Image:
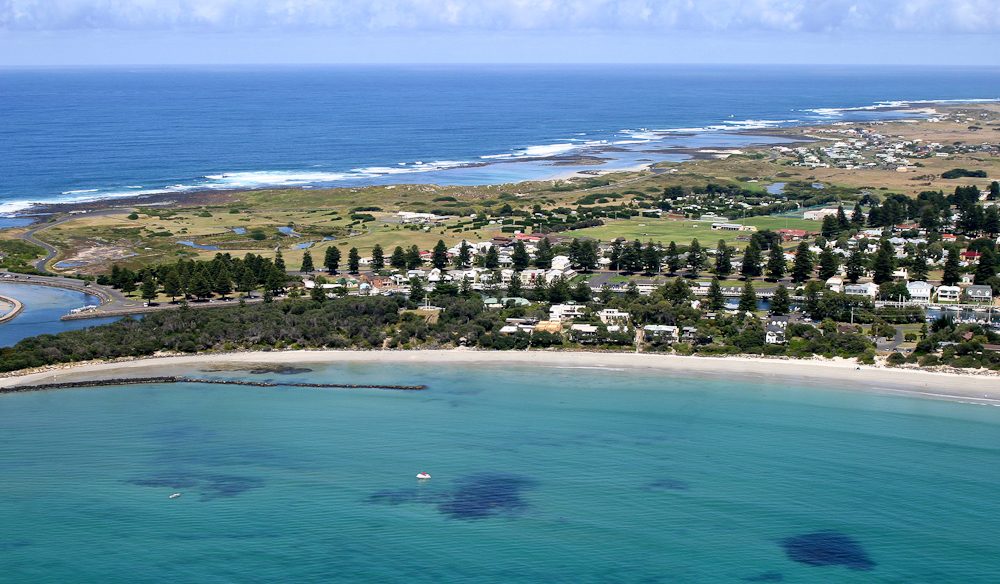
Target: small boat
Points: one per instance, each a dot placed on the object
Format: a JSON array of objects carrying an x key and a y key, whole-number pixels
[
  {"x": 423, "y": 475},
  {"x": 174, "y": 496}
]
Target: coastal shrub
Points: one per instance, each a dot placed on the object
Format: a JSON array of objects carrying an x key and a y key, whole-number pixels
[
  {"x": 896, "y": 359},
  {"x": 962, "y": 173},
  {"x": 133, "y": 216}
]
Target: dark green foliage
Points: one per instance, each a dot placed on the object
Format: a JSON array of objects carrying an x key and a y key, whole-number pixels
[{"x": 963, "y": 172}]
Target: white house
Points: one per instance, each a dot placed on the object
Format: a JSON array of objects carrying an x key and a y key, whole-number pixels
[
  {"x": 563, "y": 312},
  {"x": 819, "y": 214},
  {"x": 561, "y": 262},
  {"x": 835, "y": 284},
  {"x": 870, "y": 289},
  {"x": 948, "y": 293},
  {"x": 920, "y": 291},
  {"x": 613, "y": 316},
  {"x": 661, "y": 332}
]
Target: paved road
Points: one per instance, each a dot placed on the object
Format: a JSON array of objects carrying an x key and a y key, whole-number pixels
[{"x": 50, "y": 250}]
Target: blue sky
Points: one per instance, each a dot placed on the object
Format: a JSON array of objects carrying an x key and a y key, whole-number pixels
[{"x": 99, "y": 32}]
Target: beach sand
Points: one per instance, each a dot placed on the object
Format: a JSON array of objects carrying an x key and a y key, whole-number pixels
[{"x": 838, "y": 374}]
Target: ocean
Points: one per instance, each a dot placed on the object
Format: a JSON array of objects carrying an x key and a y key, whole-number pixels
[
  {"x": 82, "y": 134},
  {"x": 540, "y": 474}
]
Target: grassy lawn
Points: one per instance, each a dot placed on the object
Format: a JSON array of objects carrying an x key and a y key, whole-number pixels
[{"x": 683, "y": 231}]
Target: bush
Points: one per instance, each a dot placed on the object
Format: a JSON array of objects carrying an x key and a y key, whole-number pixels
[
  {"x": 896, "y": 359},
  {"x": 963, "y": 172}
]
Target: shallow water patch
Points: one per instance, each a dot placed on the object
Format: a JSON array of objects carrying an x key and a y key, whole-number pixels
[
  {"x": 667, "y": 484},
  {"x": 208, "y": 486}
]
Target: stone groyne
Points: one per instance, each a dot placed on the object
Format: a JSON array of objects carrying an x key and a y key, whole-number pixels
[
  {"x": 14, "y": 311},
  {"x": 210, "y": 381}
]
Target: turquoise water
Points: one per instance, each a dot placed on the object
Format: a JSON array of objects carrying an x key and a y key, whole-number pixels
[
  {"x": 43, "y": 308},
  {"x": 539, "y": 474}
]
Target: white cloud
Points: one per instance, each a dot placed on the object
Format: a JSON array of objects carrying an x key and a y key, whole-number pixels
[{"x": 645, "y": 16}]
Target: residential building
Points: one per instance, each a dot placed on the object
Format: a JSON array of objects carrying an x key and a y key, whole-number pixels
[
  {"x": 949, "y": 293},
  {"x": 920, "y": 291},
  {"x": 979, "y": 294},
  {"x": 869, "y": 289}
]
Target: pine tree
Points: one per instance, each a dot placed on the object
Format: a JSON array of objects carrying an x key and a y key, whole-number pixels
[
  {"x": 723, "y": 260},
  {"x": 828, "y": 264},
  {"x": 519, "y": 257},
  {"x": 514, "y": 287},
  {"x": 843, "y": 223},
  {"x": 307, "y": 262},
  {"x": 149, "y": 287},
  {"x": 439, "y": 255},
  {"x": 543, "y": 254},
  {"x": 748, "y": 298},
  {"x": 673, "y": 258},
  {"x": 279, "y": 260},
  {"x": 855, "y": 267},
  {"x": 830, "y": 227},
  {"x": 776, "y": 262},
  {"x": 398, "y": 258},
  {"x": 884, "y": 263},
  {"x": 651, "y": 258},
  {"x": 201, "y": 287},
  {"x": 780, "y": 302},
  {"x": 413, "y": 259},
  {"x": 857, "y": 216},
  {"x": 696, "y": 257},
  {"x": 172, "y": 285},
  {"x": 417, "y": 292},
  {"x": 464, "y": 256},
  {"x": 987, "y": 267},
  {"x": 677, "y": 291},
  {"x": 492, "y": 259},
  {"x": 716, "y": 300},
  {"x": 332, "y": 259},
  {"x": 802, "y": 267},
  {"x": 246, "y": 283},
  {"x": 353, "y": 261},
  {"x": 581, "y": 292},
  {"x": 378, "y": 258},
  {"x": 751, "y": 260},
  {"x": 586, "y": 255},
  {"x": 318, "y": 293},
  {"x": 222, "y": 283},
  {"x": 991, "y": 221},
  {"x": 918, "y": 266}
]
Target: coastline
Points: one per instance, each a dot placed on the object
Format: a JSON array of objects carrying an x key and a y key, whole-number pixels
[{"x": 837, "y": 374}]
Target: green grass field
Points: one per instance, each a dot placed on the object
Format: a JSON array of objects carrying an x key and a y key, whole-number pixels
[{"x": 683, "y": 231}]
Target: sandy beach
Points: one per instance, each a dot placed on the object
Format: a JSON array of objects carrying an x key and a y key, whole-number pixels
[{"x": 836, "y": 374}]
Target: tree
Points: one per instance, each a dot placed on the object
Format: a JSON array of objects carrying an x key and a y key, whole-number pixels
[
  {"x": 353, "y": 261},
  {"x": 843, "y": 223},
  {"x": 748, "y": 298},
  {"x": 994, "y": 191},
  {"x": 544, "y": 254},
  {"x": 855, "y": 267},
  {"x": 828, "y": 264},
  {"x": 780, "y": 302},
  {"x": 884, "y": 263},
  {"x": 307, "y": 262},
  {"x": 172, "y": 285},
  {"x": 991, "y": 221},
  {"x": 464, "y": 256},
  {"x": 929, "y": 218},
  {"x": 514, "y": 288},
  {"x": 751, "y": 260},
  {"x": 987, "y": 267},
  {"x": 148, "y": 291},
  {"x": 439, "y": 255},
  {"x": 952, "y": 269},
  {"x": 246, "y": 283},
  {"x": 695, "y": 257},
  {"x": 586, "y": 255},
  {"x": 222, "y": 282},
  {"x": 279, "y": 260},
  {"x": 332, "y": 259},
  {"x": 776, "y": 263},
  {"x": 201, "y": 287},
  {"x": 615, "y": 255},
  {"x": 581, "y": 292},
  {"x": 673, "y": 258},
  {"x": 677, "y": 291},
  {"x": 632, "y": 257},
  {"x": 318, "y": 293},
  {"x": 378, "y": 258},
  {"x": 398, "y": 258},
  {"x": 520, "y": 258},
  {"x": 651, "y": 258},
  {"x": 127, "y": 285},
  {"x": 857, "y": 216},
  {"x": 723, "y": 259},
  {"x": 417, "y": 292},
  {"x": 918, "y": 266},
  {"x": 830, "y": 227},
  {"x": 492, "y": 259},
  {"x": 716, "y": 300},
  {"x": 413, "y": 259},
  {"x": 802, "y": 267}
]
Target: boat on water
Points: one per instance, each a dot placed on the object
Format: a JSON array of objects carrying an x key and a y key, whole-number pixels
[
  {"x": 174, "y": 496},
  {"x": 423, "y": 475}
]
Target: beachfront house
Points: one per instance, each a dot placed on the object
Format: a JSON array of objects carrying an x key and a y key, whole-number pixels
[
  {"x": 661, "y": 333},
  {"x": 613, "y": 316},
  {"x": 949, "y": 293},
  {"x": 920, "y": 291},
  {"x": 564, "y": 312},
  {"x": 774, "y": 335},
  {"x": 979, "y": 294}
]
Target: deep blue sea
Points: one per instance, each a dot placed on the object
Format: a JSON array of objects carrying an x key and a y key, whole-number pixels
[
  {"x": 96, "y": 133},
  {"x": 539, "y": 475}
]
